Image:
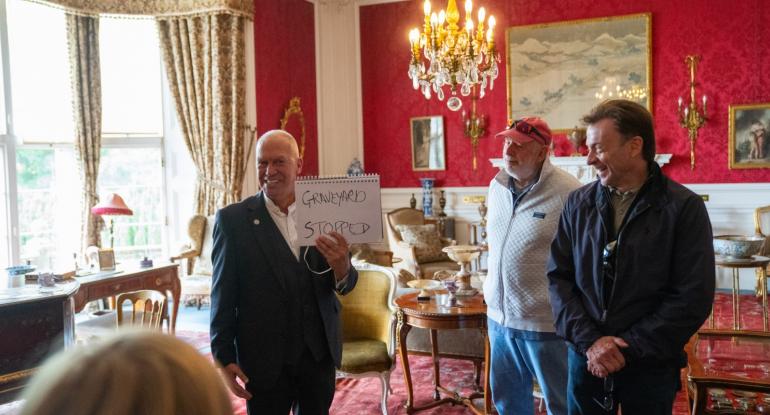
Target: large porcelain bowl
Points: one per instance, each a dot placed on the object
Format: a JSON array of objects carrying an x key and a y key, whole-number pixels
[
  {"x": 462, "y": 253},
  {"x": 737, "y": 246}
]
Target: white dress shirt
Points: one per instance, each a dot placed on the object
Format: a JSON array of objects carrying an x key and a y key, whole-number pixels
[{"x": 287, "y": 225}]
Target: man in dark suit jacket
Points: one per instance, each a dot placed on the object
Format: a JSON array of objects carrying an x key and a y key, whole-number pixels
[{"x": 274, "y": 312}]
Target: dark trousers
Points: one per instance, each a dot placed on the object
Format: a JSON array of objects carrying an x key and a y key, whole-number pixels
[
  {"x": 307, "y": 389},
  {"x": 639, "y": 390}
]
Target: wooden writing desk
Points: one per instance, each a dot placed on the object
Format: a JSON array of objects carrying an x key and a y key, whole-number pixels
[{"x": 161, "y": 278}]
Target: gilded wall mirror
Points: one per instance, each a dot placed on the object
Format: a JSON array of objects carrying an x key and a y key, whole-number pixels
[{"x": 293, "y": 121}]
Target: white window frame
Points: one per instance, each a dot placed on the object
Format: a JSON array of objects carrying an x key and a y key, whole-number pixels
[
  {"x": 178, "y": 178},
  {"x": 10, "y": 144}
]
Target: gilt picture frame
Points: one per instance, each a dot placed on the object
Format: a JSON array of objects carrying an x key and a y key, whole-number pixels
[
  {"x": 559, "y": 71},
  {"x": 748, "y": 142},
  {"x": 428, "y": 149}
]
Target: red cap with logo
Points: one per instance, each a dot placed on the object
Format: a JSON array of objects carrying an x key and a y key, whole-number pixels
[{"x": 528, "y": 129}]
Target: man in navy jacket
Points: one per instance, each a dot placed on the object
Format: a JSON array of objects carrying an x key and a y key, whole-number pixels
[
  {"x": 274, "y": 311},
  {"x": 631, "y": 272}
]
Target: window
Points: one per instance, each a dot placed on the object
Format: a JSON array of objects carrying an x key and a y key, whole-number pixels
[
  {"x": 131, "y": 90},
  {"x": 3, "y": 117},
  {"x": 48, "y": 180},
  {"x": 5, "y": 249},
  {"x": 49, "y": 205},
  {"x": 38, "y": 61},
  {"x": 133, "y": 174}
]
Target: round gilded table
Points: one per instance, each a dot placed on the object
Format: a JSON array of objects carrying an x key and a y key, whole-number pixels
[
  {"x": 470, "y": 312},
  {"x": 758, "y": 262}
]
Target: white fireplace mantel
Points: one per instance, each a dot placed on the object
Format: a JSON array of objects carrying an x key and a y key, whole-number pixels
[{"x": 578, "y": 167}]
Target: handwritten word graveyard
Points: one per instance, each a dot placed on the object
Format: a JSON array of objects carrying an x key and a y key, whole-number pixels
[{"x": 349, "y": 206}]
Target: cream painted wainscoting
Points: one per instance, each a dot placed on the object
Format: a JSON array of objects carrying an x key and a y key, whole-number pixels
[{"x": 730, "y": 206}]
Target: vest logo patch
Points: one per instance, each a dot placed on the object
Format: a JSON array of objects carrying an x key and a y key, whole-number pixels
[{"x": 539, "y": 215}]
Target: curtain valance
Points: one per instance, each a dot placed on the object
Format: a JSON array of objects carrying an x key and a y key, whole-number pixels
[{"x": 156, "y": 8}]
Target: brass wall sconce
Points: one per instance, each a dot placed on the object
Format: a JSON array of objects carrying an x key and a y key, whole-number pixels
[
  {"x": 690, "y": 117},
  {"x": 475, "y": 125}
]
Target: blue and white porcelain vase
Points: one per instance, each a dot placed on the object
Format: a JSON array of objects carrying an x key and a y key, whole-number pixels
[{"x": 427, "y": 196}]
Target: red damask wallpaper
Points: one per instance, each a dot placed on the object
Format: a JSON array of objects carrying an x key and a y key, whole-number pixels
[
  {"x": 730, "y": 36},
  {"x": 285, "y": 67}
]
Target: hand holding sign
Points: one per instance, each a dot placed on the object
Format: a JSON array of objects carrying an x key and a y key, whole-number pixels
[
  {"x": 349, "y": 206},
  {"x": 334, "y": 248}
]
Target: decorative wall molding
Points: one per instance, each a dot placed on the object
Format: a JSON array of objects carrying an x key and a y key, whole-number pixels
[
  {"x": 338, "y": 83},
  {"x": 578, "y": 167},
  {"x": 338, "y": 5}
]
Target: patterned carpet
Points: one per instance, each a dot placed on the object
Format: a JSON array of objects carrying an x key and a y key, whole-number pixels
[{"x": 361, "y": 396}]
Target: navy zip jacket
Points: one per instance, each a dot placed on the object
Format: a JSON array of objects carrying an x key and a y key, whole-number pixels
[{"x": 664, "y": 270}]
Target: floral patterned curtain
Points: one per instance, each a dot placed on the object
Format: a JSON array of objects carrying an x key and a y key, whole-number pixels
[
  {"x": 204, "y": 57},
  {"x": 83, "y": 46}
]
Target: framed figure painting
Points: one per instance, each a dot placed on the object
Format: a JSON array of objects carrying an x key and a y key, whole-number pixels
[
  {"x": 749, "y": 136},
  {"x": 559, "y": 71},
  {"x": 428, "y": 143}
]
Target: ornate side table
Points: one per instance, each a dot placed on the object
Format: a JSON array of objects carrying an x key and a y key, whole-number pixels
[
  {"x": 759, "y": 262},
  {"x": 471, "y": 313}
]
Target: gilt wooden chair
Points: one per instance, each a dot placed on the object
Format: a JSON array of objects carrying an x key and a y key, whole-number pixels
[
  {"x": 368, "y": 327},
  {"x": 762, "y": 228},
  {"x": 401, "y": 249},
  {"x": 147, "y": 309},
  {"x": 196, "y": 280}
]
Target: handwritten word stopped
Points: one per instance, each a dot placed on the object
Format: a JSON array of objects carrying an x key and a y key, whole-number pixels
[
  {"x": 333, "y": 198},
  {"x": 340, "y": 226}
]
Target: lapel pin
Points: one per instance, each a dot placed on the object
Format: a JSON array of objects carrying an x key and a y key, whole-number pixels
[{"x": 256, "y": 221}]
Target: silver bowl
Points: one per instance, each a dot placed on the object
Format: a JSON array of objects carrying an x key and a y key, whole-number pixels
[{"x": 737, "y": 246}]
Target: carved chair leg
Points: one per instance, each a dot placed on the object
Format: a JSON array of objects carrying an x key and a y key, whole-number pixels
[{"x": 385, "y": 380}]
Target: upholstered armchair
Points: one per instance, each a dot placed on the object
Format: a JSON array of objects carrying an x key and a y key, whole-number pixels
[
  {"x": 196, "y": 281},
  {"x": 417, "y": 243},
  {"x": 368, "y": 327}
]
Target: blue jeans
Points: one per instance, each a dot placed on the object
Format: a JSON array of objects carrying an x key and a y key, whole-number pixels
[
  {"x": 518, "y": 356},
  {"x": 644, "y": 389}
]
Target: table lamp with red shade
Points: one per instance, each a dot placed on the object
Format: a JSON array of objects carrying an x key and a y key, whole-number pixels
[{"x": 112, "y": 205}]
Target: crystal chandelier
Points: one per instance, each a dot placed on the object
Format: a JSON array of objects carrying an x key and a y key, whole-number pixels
[{"x": 456, "y": 57}]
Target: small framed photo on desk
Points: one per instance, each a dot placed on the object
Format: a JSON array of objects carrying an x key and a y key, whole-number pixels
[{"x": 106, "y": 260}]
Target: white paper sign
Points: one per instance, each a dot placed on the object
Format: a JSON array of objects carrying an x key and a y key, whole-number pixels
[{"x": 349, "y": 205}]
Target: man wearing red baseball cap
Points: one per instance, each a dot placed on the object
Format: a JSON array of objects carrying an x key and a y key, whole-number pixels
[{"x": 525, "y": 201}]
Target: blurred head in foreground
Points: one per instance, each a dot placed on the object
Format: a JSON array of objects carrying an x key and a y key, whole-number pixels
[{"x": 134, "y": 372}]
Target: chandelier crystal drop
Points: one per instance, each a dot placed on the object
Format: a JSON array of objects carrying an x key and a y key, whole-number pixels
[{"x": 459, "y": 58}]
